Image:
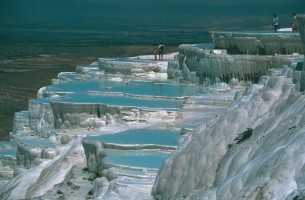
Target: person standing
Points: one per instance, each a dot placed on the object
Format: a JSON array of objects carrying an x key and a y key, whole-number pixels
[
  {"x": 275, "y": 22},
  {"x": 155, "y": 52},
  {"x": 294, "y": 25},
  {"x": 161, "y": 51}
]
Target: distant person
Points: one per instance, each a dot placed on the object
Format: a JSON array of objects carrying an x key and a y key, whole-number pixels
[
  {"x": 155, "y": 52},
  {"x": 161, "y": 51},
  {"x": 275, "y": 23},
  {"x": 294, "y": 25}
]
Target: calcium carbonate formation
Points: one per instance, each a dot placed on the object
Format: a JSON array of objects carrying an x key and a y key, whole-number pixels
[{"x": 183, "y": 128}]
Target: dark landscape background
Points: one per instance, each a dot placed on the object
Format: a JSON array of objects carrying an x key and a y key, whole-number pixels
[{"x": 40, "y": 38}]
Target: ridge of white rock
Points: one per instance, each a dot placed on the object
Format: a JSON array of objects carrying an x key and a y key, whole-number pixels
[
  {"x": 254, "y": 151},
  {"x": 37, "y": 180},
  {"x": 208, "y": 66},
  {"x": 261, "y": 43}
]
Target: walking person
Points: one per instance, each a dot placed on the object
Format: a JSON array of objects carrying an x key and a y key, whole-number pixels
[
  {"x": 294, "y": 25},
  {"x": 275, "y": 23}
]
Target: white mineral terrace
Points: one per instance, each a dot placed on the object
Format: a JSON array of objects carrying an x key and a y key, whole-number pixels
[
  {"x": 154, "y": 113},
  {"x": 202, "y": 124}
]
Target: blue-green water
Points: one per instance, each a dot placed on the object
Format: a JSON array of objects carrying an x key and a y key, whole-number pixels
[
  {"x": 7, "y": 149},
  {"x": 148, "y": 88},
  {"x": 4, "y": 143},
  {"x": 115, "y": 100},
  {"x": 149, "y": 159},
  {"x": 8, "y": 152},
  {"x": 141, "y": 136},
  {"x": 131, "y": 93}
]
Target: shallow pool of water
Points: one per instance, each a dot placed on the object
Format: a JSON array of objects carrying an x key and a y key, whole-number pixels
[
  {"x": 8, "y": 152},
  {"x": 115, "y": 100},
  {"x": 141, "y": 136},
  {"x": 7, "y": 149},
  {"x": 146, "y": 159},
  {"x": 146, "y": 88}
]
